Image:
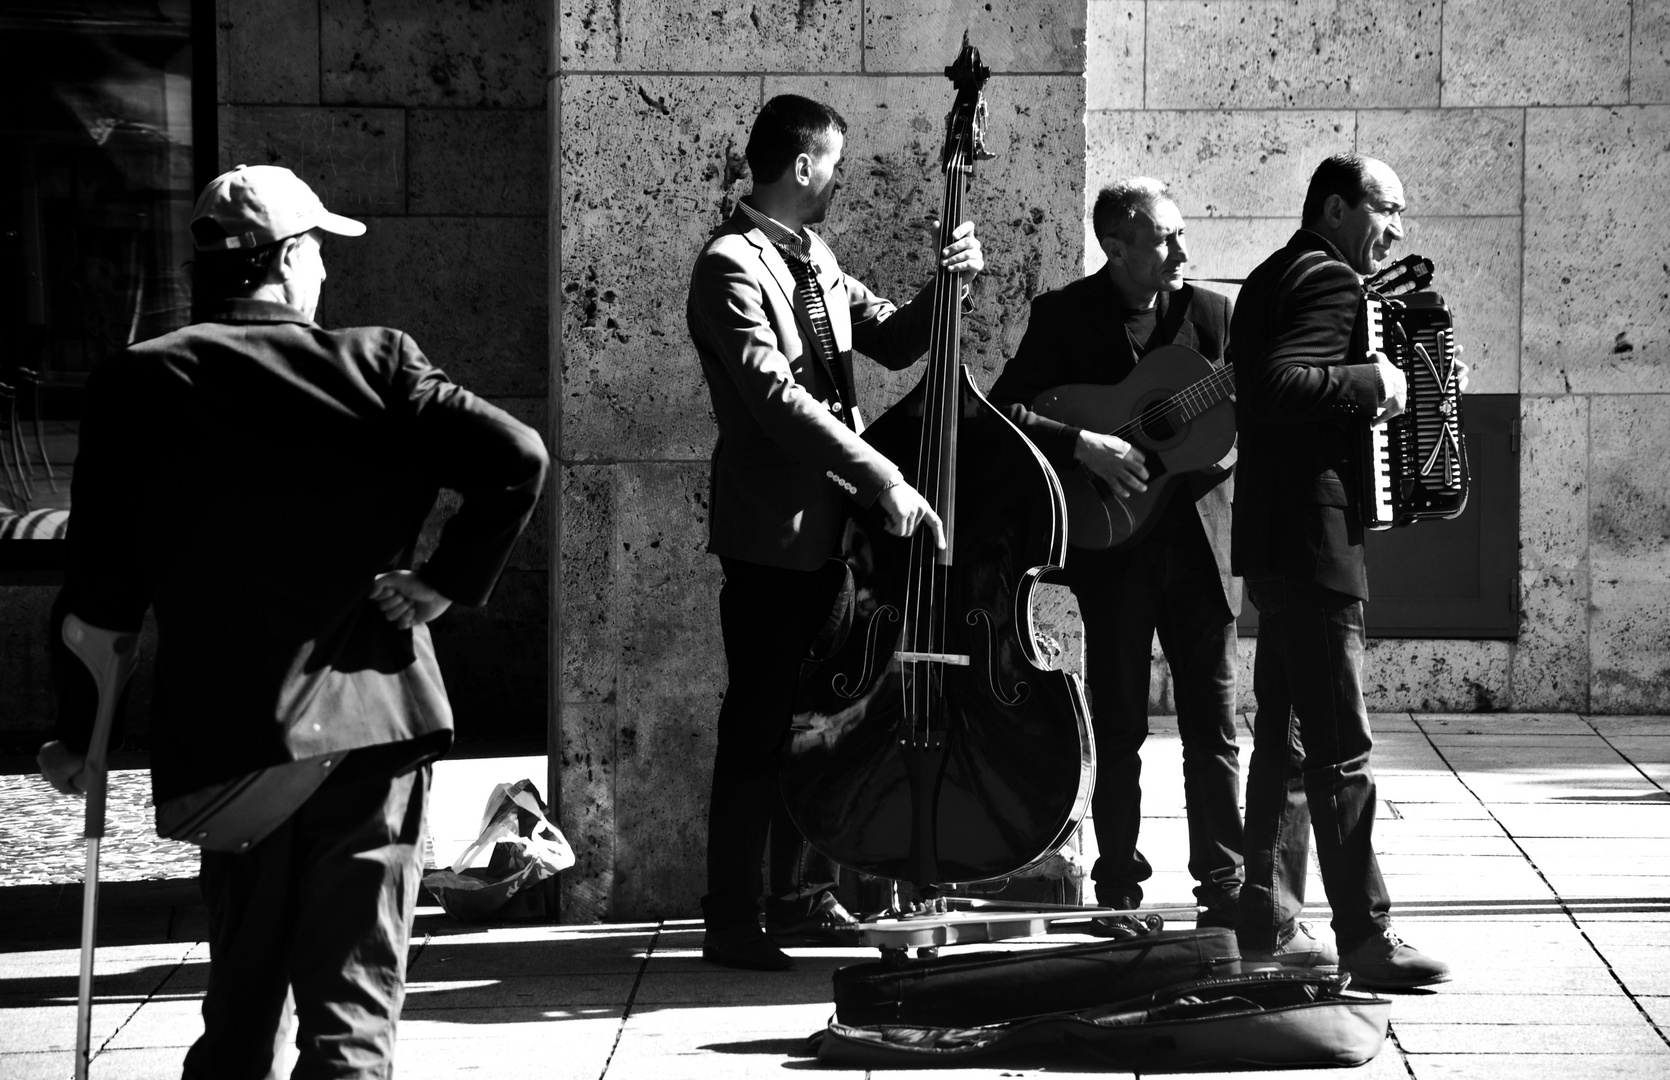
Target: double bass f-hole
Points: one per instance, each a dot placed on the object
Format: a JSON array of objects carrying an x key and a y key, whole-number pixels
[{"x": 872, "y": 668}]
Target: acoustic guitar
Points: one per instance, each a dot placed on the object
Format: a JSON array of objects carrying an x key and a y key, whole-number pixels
[{"x": 1175, "y": 407}]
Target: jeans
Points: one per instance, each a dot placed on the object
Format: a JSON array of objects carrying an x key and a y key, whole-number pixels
[
  {"x": 1310, "y": 768},
  {"x": 770, "y": 618},
  {"x": 1168, "y": 584},
  {"x": 322, "y": 908}
]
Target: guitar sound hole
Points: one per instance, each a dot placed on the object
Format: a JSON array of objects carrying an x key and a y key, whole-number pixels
[{"x": 1159, "y": 429}]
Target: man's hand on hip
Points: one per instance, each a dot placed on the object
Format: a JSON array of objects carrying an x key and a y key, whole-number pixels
[
  {"x": 406, "y": 601},
  {"x": 63, "y": 768}
]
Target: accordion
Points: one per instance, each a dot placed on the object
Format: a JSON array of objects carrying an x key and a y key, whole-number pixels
[{"x": 1414, "y": 467}]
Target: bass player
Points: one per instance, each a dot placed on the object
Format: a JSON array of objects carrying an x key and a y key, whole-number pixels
[{"x": 1175, "y": 577}]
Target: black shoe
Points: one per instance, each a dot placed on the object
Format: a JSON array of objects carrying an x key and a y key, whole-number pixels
[
  {"x": 744, "y": 946},
  {"x": 1222, "y": 911},
  {"x": 1116, "y": 926},
  {"x": 1384, "y": 962},
  {"x": 826, "y": 923}
]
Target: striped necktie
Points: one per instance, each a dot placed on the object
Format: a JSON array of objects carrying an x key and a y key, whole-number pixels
[{"x": 811, "y": 295}]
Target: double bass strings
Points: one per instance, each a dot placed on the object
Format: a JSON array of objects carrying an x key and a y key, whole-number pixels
[{"x": 926, "y": 607}]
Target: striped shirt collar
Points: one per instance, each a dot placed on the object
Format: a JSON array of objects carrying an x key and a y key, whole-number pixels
[{"x": 798, "y": 244}]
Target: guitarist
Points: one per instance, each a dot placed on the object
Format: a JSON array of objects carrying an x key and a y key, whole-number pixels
[{"x": 1175, "y": 579}]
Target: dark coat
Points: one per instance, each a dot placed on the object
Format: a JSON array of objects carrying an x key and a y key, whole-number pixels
[
  {"x": 785, "y": 462},
  {"x": 1076, "y": 334},
  {"x": 248, "y": 477},
  {"x": 1301, "y": 407}
]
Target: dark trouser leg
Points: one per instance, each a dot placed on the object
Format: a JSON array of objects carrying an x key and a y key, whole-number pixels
[
  {"x": 323, "y": 905},
  {"x": 1314, "y": 678},
  {"x": 769, "y": 617},
  {"x": 1197, "y": 633},
  {"x": 1117, "y": 595}
]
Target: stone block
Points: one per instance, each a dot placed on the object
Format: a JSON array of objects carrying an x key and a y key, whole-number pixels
[
  {"x": 729, "y": 35},
  {"x": 1649, "y": 53},
  {"x": 470, "y": 291},
  {"x": 1219, "y": 164},
  {"x": 1550, "y": 667},
  {"x": 1300, "y": 54},
  {"x": 1476, "y": 262},
  {"x": 495, "y": 659},
  {"x": 419, "y": 52},
  {"x": 650, "y": 165},
  {"x": 1422, "y": 674},
  {"x": 1629, "y": 535},
  {"x": 354, "y": 158},
  {"x": 1027, "y": 202},
  {"x": 589, "y": 620},
  {"x": 1113, "y": 62},
  {"x": 479, "y": 162},
  {"x": 672, "y": 679},
  {"x": 267, "y": 51},
  {"x": 1597, "y": 282},
  {"x": 586, "y": 813},
  {"x": 1233, "y": 247},
  {"x": 1553, "y": 482},
  {"x": 1535, "y": 52},
  {"x": 1451, "y": 161},
  {"x": 925, "y": 35},
  {"x": 1629, "y": 522}
]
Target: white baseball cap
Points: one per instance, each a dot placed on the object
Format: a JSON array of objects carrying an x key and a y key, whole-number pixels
[{"x": 261, "y": 204}]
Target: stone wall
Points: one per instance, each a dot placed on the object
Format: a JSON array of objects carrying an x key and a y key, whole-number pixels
[
  {"x": 428, "y": 122},
  {"x": 1532, "y": 137},
  {"x": 656, "y": 104}
]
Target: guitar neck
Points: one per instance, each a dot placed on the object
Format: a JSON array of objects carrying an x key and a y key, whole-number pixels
[{"x": 1196, "y": 399}]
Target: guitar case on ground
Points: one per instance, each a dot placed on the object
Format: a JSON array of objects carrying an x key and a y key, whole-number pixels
[
  {"x": 1266, "y": 1018},
  {"x": 994, "y": 987}
]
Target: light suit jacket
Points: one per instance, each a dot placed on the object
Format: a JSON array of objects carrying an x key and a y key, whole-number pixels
[{"x": 787, "y": 457}]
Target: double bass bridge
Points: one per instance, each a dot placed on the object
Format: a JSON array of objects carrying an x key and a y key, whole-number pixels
[{"x": 956, "y": 659}]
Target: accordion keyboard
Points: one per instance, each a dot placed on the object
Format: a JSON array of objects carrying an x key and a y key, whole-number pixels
[{"x": 1377, "y": 447}]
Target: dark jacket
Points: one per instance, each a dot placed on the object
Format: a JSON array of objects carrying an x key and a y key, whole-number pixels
[
  {"x": 248, "y": 477},
  {"x": 786, "y": 461},
  {"x": 1303, "y": 398},
  {"x": 1076, "y": 334}
]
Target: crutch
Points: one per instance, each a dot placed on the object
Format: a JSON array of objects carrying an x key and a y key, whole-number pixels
[{"x": 110, "y": 656}]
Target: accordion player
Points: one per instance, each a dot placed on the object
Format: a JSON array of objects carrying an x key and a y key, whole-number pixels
[{"x": 1414, "y": 467}]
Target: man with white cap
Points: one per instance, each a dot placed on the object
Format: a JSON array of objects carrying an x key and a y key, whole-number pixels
[{"x": 260, "y": 482}]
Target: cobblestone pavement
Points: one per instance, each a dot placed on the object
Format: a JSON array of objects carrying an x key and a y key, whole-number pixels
[{"x": 41, "y": 834}]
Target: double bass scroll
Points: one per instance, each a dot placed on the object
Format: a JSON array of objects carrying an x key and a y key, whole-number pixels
[{"x": 930, "y": 743}]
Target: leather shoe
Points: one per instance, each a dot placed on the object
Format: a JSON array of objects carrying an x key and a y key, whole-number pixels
[
  {"x": 744, "y": 946},
  {"x": 1384, "y": 962},
  {"x": 826, "y": 923},
  {"x": 1302, "y": 950},
  {"x": 1116, "y": 926}
]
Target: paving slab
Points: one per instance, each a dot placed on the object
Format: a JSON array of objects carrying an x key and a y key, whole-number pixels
[
  {"x": 1515, "y": 1038},
  {"x": 1452, "y": 1006},
  {"x": 1539, "y": 1066}
]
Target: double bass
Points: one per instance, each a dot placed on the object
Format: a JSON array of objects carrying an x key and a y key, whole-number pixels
[{"x": 930, "y": 743}]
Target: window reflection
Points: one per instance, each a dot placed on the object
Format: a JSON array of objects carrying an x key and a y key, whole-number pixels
[{"x": 96, "y": 189}]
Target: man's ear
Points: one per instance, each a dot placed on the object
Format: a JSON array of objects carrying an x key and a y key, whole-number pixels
[
  {"x": 285, "y": 264},
  {"x": 803, "y": 168},
  {"x": 1111, "y": 247},
  {"x": 1334, "y": 208}
]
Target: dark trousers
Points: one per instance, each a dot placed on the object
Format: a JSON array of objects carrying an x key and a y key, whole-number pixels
[
  {"x": 323, "y": 907},
  {"x": 769, "y": 618},
  {"x": 1167, "y": 584},
  {"x": 1310, "y": 767}
]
